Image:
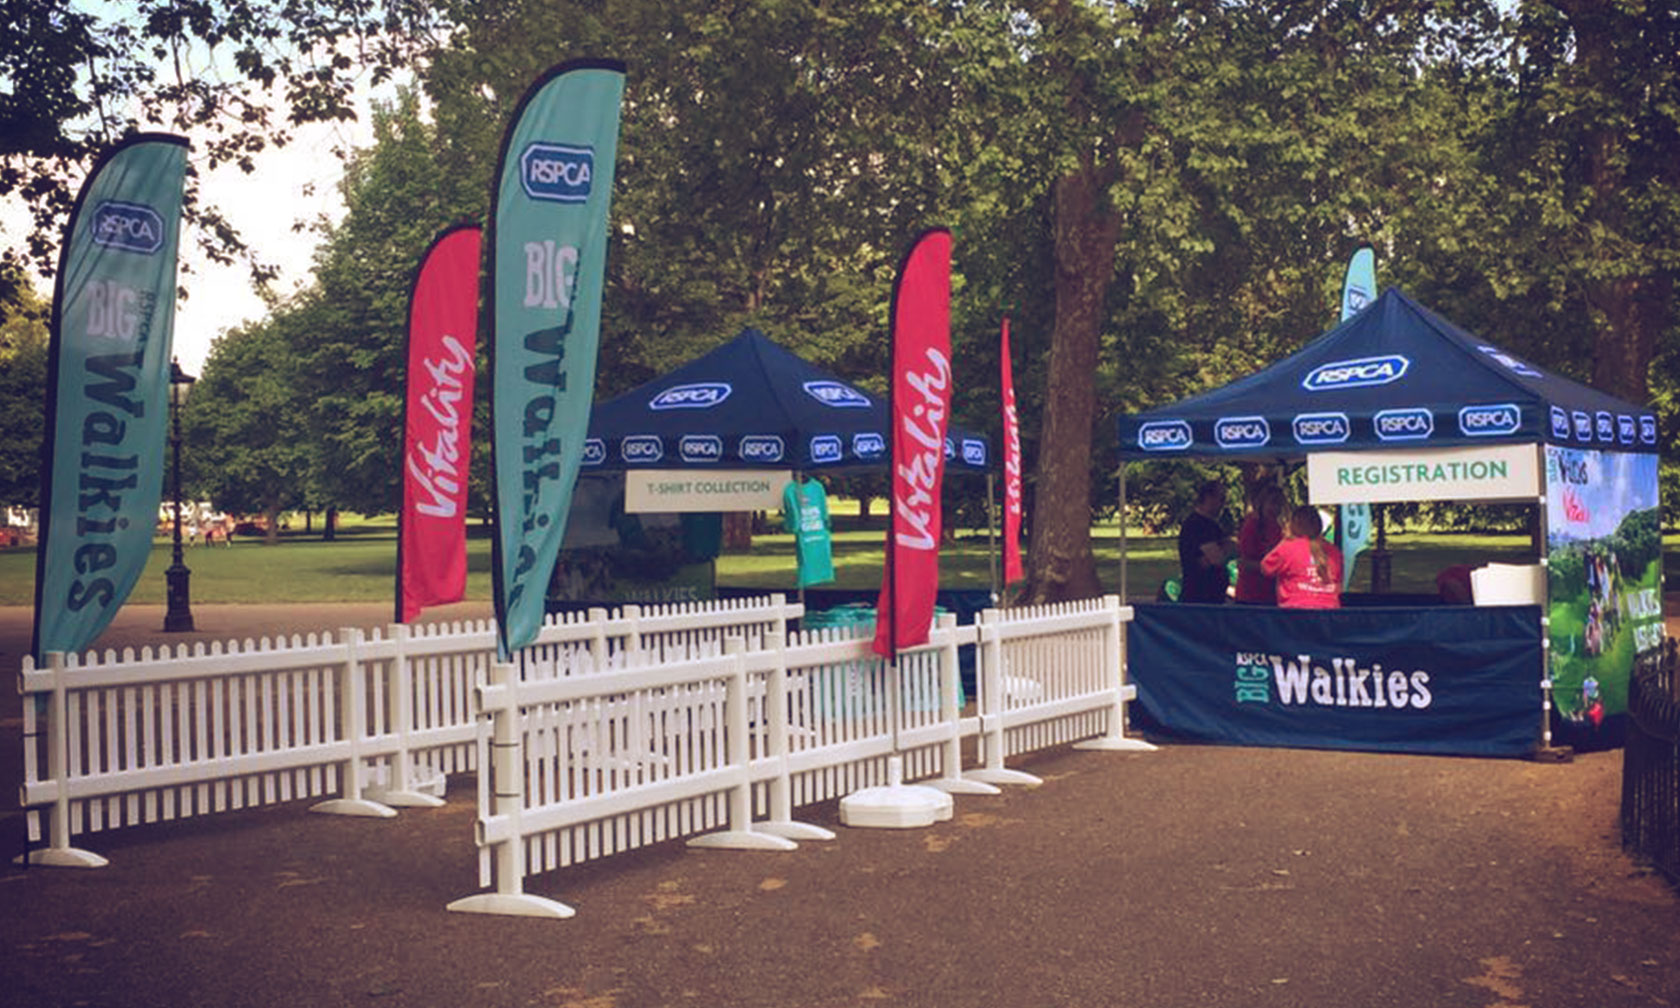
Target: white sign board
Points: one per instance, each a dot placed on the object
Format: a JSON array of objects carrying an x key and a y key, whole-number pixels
[
  {"x": 666, "y": 490},
  {"x": 1498, "y": 472}
]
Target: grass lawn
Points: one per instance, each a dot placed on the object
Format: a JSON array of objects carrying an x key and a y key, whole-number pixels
[{"x": 360, "y": 565}]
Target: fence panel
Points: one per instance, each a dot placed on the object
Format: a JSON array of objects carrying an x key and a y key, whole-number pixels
[
  {"x": 1651, "y": 762},
  {"x": 380, "y": 718}
]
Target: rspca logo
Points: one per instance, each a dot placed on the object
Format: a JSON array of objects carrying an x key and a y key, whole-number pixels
[
  {"x": 697, "y": 395},
  {"x": 700, "y": 448},
  {"x": 1242, "y": 432},
  {"x": 1606, "y": 426},
  {"x": 868, "y": 445},
  {"x": 1321, "y": 428},
  {"x": 1488, "y": 421},
  {"x": 1414, "y": 424},
  {"x": 131, "y": 227},
  {"x": 836, "y": 394},
  {"x": 1165, "y": 435},
  {"x": 641, "y": 448},
  {"x": 1510, "y": 363},
  {"x": 950, "y": 448},
  {"x": 1583, "y": 425},
  {"x": 1356, "y": 373},
  {"x": 761, "y": 448},
  {"x": 1648, "y": 430},
  {"x": 557, "y": 173},
  {"x": 826, "y": 448},
  {"x": 974, "y": 451},
  {"x": 594, "y": 451},
  {"x": 1560, "y": 422},
  {"x": 1624, "y": 429}
]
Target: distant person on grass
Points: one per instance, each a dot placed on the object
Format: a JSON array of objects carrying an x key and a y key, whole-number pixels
[{"x": 1204, "y": 548}]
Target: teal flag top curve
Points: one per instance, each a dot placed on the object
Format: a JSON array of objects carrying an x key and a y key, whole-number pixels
[
  {"x": 549, "y": 241},
  {"x": 107, "y": 389}
]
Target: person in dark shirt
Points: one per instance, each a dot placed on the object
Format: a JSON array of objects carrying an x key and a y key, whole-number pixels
[{"x": 1204, "y": 547}]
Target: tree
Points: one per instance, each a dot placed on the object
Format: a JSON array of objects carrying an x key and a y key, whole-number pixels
[
  {"x": 351, "y": 342},
  {"x": 238, "y": 75},
  {"x": 242, "y": 420},
  {"x": 23, "y": 384}
]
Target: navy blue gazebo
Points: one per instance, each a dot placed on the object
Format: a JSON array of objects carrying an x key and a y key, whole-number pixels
[
  {"x": 753, "y": 404},
  {"x": 1397, "y": 403}
]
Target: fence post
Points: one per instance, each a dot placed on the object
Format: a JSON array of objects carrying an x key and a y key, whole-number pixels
[
  {"x": 499, "y": 827},
  {"x": 59, "y": 853},
  {"x": 740, "y": 835},
  {"x": 352, "y": 715},
  {"x": 1114, "y": 657},
  {"x": 400, "y": 790},
  {"x": 993, "y": 705},
  {"x": 777, "y": 742},
  {"x": 952, "y": 781}
]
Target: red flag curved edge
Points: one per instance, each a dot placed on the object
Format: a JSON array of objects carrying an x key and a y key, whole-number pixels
[
  {"x": 1012, "y": 571},
  {"x": 437, "y": 424},
  {"x": 921, "y": 404}
]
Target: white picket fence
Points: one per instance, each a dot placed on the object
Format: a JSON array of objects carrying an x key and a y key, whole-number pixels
[
  {"x": 728, "y": 744},
  {"x": 615, "y": 730},
  {"x": 375, "y": 718}
]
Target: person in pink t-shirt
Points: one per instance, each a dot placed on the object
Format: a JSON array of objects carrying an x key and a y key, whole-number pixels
[{"x": 1308, "y": 569}]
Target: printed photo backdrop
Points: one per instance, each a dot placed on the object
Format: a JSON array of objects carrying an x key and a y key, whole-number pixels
[{"x": 1604, "y": 537}]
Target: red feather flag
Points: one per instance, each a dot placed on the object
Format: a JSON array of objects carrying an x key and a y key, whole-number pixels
[{"x": 921, "y": 404}]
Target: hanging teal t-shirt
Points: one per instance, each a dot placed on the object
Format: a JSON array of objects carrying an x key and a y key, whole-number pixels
[{"x": 805, "y": 514}]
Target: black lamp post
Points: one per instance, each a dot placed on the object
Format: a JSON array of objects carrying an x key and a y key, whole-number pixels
[{"x": 179, "y": 614}]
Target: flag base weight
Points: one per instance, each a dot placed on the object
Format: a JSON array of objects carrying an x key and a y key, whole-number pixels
[{"x": 895, "y": 805}]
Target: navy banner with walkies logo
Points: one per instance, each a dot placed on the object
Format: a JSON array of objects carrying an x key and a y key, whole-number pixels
[
  {"x": 1449, "y": 680},
  {"x": 107, "y": 389},
  {"x": 549, "y": 254}
]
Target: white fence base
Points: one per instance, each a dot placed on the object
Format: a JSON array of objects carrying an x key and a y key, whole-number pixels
[
  {"x": 1004, "y": 775},
  {"x": 896, "y": 805},
  {"x": 512, "y": 905},
  {"x": 354, "y": 807},
  {"x": 743, "y": 840},
  {"x": 1110, "y": 744},
  {"x": 63, "y": 857},
  {"x": 794, "y": 830}
]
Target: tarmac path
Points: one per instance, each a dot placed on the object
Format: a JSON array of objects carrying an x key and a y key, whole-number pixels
[{"x": 1192, "y": 876}]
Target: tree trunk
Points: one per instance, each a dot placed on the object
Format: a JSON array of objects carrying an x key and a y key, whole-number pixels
[
  {"x": 329, "y": 526},
  {"x": 271, "y": 512},
  {"x": 1060, "y": 563}
]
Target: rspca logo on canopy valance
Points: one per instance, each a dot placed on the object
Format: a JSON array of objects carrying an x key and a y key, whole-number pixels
[
  {"x": 836, "y": 394},
  {"x": 1414, "y": 424},
  {"x": 869, "y": 445},
  {"x": 1242, "y": 432},
  {"x": 1624, "y": 428},
  {"x": 557, "y": 173},
  {"x": 826, "y": 448},
  {"x": 695, "y": 395},
  {"x": 1648, "y": 430},
  {"x": 594, "y": 451},
  {"x": 1165, "y": 435},
  {"x": 1321, "y": 428},
  {"x": 761, "y": 448},
  {"x": 131, "y": 227},
  {"x": 1356, "y": 373},
  {"x": 641, "y": 448},
  {"x": 1606, "y": 426},
  {"x": 1560, "y": 422},
  {"x": 1489, "y": 421},
  {"x": 700, "y": 448},
  {"x": 974, "y": 451}
]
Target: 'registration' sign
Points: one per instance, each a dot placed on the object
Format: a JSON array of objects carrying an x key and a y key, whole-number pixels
[
  {"x": 675, "y": 490},
  {"x": 1495, "y": 472}
]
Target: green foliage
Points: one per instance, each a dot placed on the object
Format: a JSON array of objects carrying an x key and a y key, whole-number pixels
[
  {"x": 23, "y": 384},
  {"x": 242, "y": 420}
]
